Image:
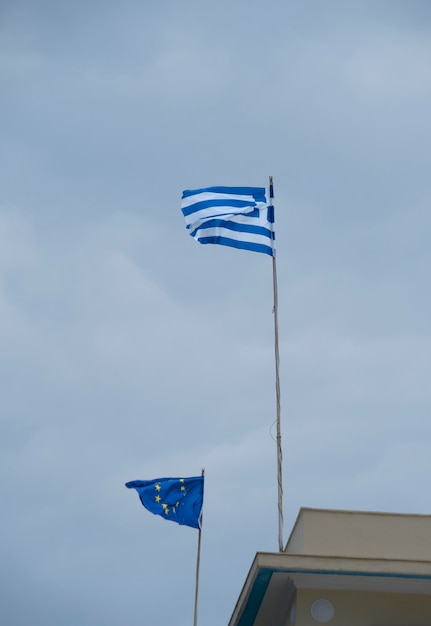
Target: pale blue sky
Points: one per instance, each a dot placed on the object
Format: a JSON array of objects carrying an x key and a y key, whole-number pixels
[{"x": 129, "y": 351}]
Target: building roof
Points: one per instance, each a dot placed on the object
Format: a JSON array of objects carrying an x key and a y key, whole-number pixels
[{"x": 338, "y": 550}]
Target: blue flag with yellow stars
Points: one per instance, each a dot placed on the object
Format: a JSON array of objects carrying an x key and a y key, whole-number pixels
[{"x": 176, "y": 499}]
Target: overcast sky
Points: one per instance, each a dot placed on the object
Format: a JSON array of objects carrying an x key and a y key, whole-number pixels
[{"x": 129, "y": 351}]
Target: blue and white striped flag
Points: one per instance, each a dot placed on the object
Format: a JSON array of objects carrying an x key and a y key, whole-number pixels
[{"x": 239, "y": 217}]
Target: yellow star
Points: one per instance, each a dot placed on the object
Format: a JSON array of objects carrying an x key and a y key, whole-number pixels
[
  {"x": 158, "y": 498},
  {"x": 165, "y": 508},
  {"x": 183, "y": 488},
  {"x": 158, "y": 487}
]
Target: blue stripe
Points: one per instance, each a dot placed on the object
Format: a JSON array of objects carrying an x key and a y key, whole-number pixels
[
  {"x": 271, "y": 216},
  {"x": 235, "y": 226},
  {"x": 205, "y": 204},
  {"x": 258, "y": 193},
  {"x": 234, "y": 243},
  {"x": 254, "y": 213}
]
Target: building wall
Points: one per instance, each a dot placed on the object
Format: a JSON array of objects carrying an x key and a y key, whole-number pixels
[
  {"x": 361, "y": 534},
  {"x": 358, "y": 608}
]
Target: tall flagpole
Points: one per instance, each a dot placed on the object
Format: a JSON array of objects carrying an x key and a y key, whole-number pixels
[
  {"x": 277, "y": 383},
  {"x": 198, "y": 562}
]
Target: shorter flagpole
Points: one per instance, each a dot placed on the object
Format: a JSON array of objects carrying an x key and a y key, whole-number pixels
[{"x": 198, "y": 562}]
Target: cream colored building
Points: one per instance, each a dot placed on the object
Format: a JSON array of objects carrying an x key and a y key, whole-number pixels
[{"x": 343, "y": 568}]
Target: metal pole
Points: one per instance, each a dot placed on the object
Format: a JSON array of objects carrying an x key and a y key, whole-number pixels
[
  {"x": 198, "y": 562},
  {"x": 277, "y": 385}
]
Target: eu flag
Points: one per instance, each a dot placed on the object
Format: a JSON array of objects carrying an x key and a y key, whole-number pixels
[{"x": 176, "y": 499}]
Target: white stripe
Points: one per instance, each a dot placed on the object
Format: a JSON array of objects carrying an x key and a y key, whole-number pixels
[
  {"x": 261, "y": 221},
  {"x": 232, "y": 234},
  {"x": 227, "y": 212},
  {"x": 210, "y": 212}
]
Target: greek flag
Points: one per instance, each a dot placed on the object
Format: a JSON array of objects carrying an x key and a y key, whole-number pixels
[{"x": 239, "y": 217}]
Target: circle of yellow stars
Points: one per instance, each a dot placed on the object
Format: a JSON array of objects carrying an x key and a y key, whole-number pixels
[{"x": 164, "y": 505}]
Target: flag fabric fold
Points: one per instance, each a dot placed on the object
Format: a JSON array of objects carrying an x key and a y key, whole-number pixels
[
  {"x": 176, "y": 499},
  {"x": 239, "y": 217}
]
